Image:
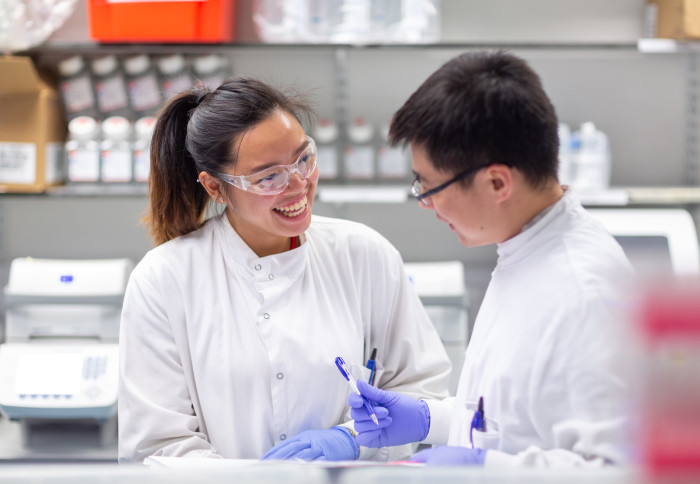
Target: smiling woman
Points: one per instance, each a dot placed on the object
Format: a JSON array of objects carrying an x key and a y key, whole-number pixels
[{"x": 231, "y": 325}]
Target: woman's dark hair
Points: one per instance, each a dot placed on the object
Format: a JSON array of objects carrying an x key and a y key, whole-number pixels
[
  {"x": 483, "y": 107},
  {"x": 196, "y": 131}
]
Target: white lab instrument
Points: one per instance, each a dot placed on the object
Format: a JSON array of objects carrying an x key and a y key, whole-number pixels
[
  {"x": 442, "y": 289},
  {"x": 60, "y": 358},
  {"x": 656, "y": 241}
]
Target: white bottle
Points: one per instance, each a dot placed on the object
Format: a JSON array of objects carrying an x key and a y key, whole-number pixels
[
  {"x": 83, "y": 150},
  {"x": 326, "y": 137},
  {"x": 355, "y": 23},
  {"x": 143, "y": 132},
  {"x": 210, "y": 70},
  {"x": 116, "y": 150},
  {"x": 142, "y": 85},
  {"x": 592, "y": 161},
  {"x": 76, "y": 88},
  {"x": 324, "y": 16},
  {"x": 565, "y": 168},
  {"x": 392, "y": 161},
  {"x": 174, "y": 75},
  {"x": 110, "y": 88},
  {"x": 420, "y": 21},
  {"x": 359, "y": 154}
]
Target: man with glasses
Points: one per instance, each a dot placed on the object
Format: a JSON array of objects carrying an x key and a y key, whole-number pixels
[{"x": 540, "y": 384}]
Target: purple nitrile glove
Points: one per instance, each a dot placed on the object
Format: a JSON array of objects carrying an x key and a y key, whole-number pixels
[
  {"x": 330, "y": 444},
  {"x": 450, "y": 456},
  {"x": 402, "y": 419}
]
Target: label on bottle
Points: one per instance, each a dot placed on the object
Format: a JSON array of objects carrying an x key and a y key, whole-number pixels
[
  {"x": 359, "y": 162},
  {"x": 143, "y": 93},
  {"x": 111, "y": 94},
  {"x": 327, "y": 161},
  {"x": 77, "y": 94},
  {"x": 392, "y": 163},
  {"x": 175, "y": 85},
  {"x": 52, "y": 162},
  {"x": 83, "y": 164},
  {"x": 116, "y": 165},
  {"x": 18, "y": 163}
]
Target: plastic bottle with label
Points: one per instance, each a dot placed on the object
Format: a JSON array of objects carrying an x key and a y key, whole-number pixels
[
  {"x": 143, "y": 132},
  {"x": 174, "y": 75},
  {"x": 210, "y": 70},
  {"x": 116, "y": 150},
  {"x": 392, "y": 161},
  {"x": 326, "y": 137},
  {"x": 359, "y": 154},
  {"x": 324, "y": 15},
  {"x": 83, "y": 150},
  {"x": 142, "y": 85},
  {"x": 591, "y": 161},
  {"x": 355, "y": 23},
  {"x": 76, "y": 88},
  {"x": 110, "y": 87}
]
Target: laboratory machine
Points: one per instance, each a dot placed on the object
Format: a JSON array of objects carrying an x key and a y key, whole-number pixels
[
  {"x": 442, "y": 289},
  {"x": 59, "y": 362}
]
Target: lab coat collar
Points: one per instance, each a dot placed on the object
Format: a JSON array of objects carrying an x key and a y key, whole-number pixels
[
  {"x": 243, "y": 261},
  {"x": 517, "y": 247}
]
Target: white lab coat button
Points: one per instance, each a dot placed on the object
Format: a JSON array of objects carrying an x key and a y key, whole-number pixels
[
  {"x": 280, "y": 375},
  {"x": 258, "y": 267},
  {"x": 271, "y": 276},
  {"x": 283, "y": 436},
  {"x": 266, "y": 316}
]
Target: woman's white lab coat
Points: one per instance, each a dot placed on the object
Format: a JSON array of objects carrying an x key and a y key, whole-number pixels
[
  {"x": 546, "y": 349},
  {"x": 226, "y": 354}
]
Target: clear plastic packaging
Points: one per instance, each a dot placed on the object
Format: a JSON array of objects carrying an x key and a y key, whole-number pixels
[{"x": 25, "y": 24}]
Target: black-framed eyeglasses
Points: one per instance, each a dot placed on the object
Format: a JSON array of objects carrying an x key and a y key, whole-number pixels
[{"x": 417, "y": 186}]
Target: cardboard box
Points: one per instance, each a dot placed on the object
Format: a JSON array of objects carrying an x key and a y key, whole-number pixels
[
  {"x": 674, "y": 19},
  {"x": 161, "y": 21},
  {"x": 32, "y": 128}
]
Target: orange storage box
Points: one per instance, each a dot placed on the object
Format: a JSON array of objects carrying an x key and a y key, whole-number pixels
[{"x": 161, "y": 21}]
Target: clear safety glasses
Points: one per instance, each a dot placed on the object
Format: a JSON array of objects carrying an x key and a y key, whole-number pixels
[{"x": 275, "y": 179}]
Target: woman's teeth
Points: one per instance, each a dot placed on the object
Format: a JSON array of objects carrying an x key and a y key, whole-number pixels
[{"x": 293, "y": 210}]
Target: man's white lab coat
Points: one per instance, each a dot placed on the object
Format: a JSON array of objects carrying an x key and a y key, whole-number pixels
[
  {"x": 546, "y": 347},
  {"x": 226, "y": 354}
]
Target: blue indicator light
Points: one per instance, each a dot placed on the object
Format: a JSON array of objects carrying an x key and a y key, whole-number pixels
[{"x": 66, "y": 278}]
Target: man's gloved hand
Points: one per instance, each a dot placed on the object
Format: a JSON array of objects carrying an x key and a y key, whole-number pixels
[
  {"x": 336, "y": 443},
  {"x": 402, "y": 419},
  {"x": 450, "y": 456}
]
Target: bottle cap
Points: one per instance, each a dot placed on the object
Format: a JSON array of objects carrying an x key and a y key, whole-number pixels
[
  {"x": 116, "y": 128},
  {"x": 206, "y": 64},
  {"x": 171, "y": 64},
  {"x": 144, "y": 127},
  {"x": 360, "y": 131},
  {"x": 326, "y": 131},
  {"x": 83, "y": 127},
  {"x": 72, "y": 65},
  {"x": 136, "y": 64},
  {"x": 104, "y": 65}
]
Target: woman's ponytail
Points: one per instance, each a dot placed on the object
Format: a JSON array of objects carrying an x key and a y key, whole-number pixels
[{"x": 177, "y": 201}]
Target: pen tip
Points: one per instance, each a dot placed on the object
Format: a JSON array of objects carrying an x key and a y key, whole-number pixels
[{"x": 374, "y": 419}]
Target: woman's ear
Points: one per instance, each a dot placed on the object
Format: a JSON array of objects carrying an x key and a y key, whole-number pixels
[{"x": 212, "y": 186}]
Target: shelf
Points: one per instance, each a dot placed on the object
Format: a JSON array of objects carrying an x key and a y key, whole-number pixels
[
  {"x": 667, "y": 46},
  {"x": 399, "y": 193}
]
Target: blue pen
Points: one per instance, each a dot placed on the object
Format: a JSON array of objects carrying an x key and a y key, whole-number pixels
[
  {"x": 351, "y": 380},
  {"x": 372, "y": 364},
  {"x": 478, "y": 421}
]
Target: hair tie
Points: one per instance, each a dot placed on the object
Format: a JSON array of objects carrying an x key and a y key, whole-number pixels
[{"x": 200, "y": 97}]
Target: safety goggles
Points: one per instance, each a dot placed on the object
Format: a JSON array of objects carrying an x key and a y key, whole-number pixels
[
  {"x": 275, "y": 179},
  {"x": 421, "y": 196}
]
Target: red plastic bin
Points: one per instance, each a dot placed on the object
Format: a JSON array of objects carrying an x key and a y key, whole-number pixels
[{"x": 206, "y": 21}]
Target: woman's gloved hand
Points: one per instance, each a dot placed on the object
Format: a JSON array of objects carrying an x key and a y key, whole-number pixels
[
  {"x": 402, "y": 419},
  {"x": 450, "y": 456},
  {"x": 336, "y": 443}
]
